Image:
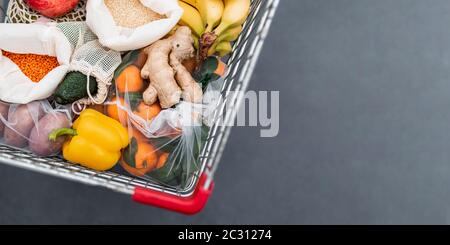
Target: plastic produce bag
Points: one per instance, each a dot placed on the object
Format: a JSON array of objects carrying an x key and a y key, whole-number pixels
[
  {"x": 170, "y": 154},
  {"x": 27, "y": 126},
  {"x": 165, "y": 145},
  {"x": 15, "y": 86},
  {"x": 111, "y": 35}
]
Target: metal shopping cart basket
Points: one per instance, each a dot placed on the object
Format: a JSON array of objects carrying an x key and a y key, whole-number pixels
[{"x": 192, "y": 199}]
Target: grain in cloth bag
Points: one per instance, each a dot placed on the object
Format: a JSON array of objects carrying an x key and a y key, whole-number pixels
[{"x": 119, "y": 28}]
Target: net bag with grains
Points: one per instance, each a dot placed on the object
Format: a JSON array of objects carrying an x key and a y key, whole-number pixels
[{"x": 124, "y": 25}]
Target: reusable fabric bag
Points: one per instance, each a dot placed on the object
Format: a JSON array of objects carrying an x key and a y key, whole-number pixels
[
  {"x": 40, "y": 39},
  {"x": 101, "y": 22},
  {"x": 91, "y": 58}
]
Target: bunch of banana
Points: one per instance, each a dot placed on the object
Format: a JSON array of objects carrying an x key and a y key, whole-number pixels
[{"x": 215, "y": 23}]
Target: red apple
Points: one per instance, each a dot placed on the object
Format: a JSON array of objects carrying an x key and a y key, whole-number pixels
[{"x": 52, "y": 8}]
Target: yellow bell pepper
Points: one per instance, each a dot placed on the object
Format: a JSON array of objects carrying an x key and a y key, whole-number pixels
[{"x": 96, "y": 140}]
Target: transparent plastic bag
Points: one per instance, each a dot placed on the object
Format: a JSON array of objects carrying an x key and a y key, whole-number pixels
[
  {"x": 165, "y": 144},
  {"x": 27, "y": 126}
]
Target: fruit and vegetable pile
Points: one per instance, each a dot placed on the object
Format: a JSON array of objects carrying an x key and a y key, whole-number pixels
[{"x": 125, "y": 89}]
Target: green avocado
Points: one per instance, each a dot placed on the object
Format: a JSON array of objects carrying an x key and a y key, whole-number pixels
[{"x": 73, "y": 88}]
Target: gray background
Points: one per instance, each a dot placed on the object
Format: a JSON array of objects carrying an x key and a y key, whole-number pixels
[{"x": 365, "y": 130}]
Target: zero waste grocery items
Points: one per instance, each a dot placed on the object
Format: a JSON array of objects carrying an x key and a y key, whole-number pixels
[
  {"x": 45, "y": 40},
  {"x": 130, "y": 37},
  {"x": 139, "y": 80}
]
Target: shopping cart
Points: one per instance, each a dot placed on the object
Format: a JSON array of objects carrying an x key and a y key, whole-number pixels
[{"x": 193, "y": 198}]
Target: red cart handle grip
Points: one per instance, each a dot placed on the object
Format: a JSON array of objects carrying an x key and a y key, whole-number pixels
[{"x": 186, "y": 205}]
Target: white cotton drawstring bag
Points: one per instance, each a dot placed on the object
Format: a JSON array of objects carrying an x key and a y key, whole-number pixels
[
  {"x": 40, "y": 39},
  {"x": 101, "y": 22}
]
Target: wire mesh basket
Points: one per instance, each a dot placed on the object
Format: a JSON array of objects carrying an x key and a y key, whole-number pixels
[{"x": 192, "y": 199}]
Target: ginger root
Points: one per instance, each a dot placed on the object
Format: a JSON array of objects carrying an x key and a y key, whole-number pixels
[{"x": 169, "y": 79}]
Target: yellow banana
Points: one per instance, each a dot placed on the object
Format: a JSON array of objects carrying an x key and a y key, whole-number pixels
[
  {"x": 224, "y": 48},
  {"x": 229, "y": 36},
  {"x": 196, "y": 42},
  {"x": 191, "y": 2},
  {"x": 191, "y": 17},
  {"x": 211, "y": 12},
  {"x": 235, "y": 13}
]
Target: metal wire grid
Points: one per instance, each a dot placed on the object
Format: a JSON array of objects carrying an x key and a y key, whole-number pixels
[{"x": 241, "y": 64}]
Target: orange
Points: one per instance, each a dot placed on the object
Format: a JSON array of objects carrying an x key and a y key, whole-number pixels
[
  {"x": 146, "y": 157},
  {"x": 138, "y": 135},
  {"x": 118, "y": 113},
  {"x": 147, "y": 112},
  {"x": 146, "y": 160},
  {"x": 130, "y": 80},
  {"x": 162, "y": 160},
  {"x": 134, "y": 171}
]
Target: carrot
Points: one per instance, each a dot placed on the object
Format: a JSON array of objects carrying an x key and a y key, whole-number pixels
[{"x": 130, "y": 80}]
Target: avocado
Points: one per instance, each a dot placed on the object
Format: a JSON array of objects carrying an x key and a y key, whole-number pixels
[{"x": 73, "y": 88}]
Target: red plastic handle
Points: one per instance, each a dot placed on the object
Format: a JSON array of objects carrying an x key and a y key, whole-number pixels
[{"x": 186, "y": 205}]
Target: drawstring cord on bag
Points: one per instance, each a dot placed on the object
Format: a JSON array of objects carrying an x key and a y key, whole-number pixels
[
  {"x": 92, "y": 98},
  {"x": 102, "y": 86},
  {"x": 81, "y": 107}
]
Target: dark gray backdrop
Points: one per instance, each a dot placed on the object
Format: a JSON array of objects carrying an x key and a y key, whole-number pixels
[{"x": 365, "y": 129}]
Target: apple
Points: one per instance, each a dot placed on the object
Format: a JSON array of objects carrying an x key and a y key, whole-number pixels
[{"x": 52, "y": 8}]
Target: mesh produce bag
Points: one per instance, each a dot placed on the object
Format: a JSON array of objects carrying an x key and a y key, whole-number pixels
[
  {"x": 78, "y": 33},
  {"x": 19, "y": 12},
  {"x": 91, "y": 59}
]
